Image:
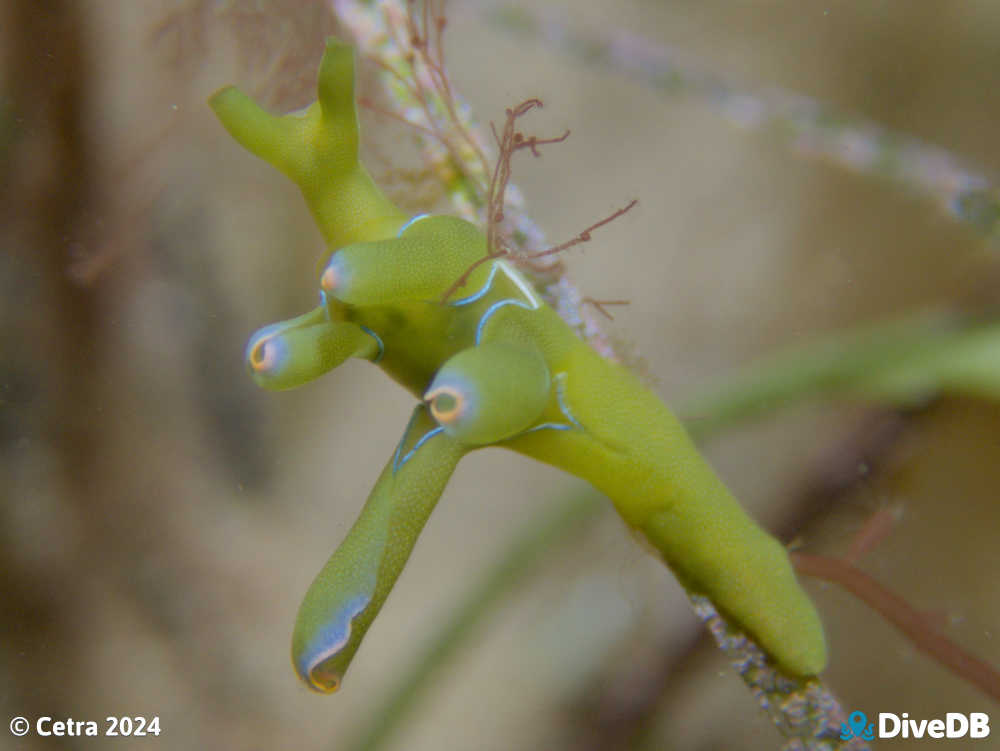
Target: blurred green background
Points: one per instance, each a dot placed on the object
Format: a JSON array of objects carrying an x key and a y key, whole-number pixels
[{"x": 162, "y": 517}]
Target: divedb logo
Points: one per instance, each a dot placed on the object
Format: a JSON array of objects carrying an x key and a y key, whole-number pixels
[{"x": 954, "y": 725}]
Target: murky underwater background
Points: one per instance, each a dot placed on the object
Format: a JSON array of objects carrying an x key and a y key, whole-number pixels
[{"x": 162, "y": 517}]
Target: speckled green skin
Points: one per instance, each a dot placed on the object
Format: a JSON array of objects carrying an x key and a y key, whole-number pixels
[{"x": 382, "y": 287}]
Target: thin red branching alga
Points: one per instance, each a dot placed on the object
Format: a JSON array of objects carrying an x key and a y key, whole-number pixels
[
  {"x": 904, "y": 617},
  {"x": 914, "y": 625},
  {"x": 601, "y": 305},
  {"x": 509, "y": 141}
]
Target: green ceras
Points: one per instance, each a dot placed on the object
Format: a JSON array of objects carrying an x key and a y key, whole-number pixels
[{"x": 493, "y": 367}]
